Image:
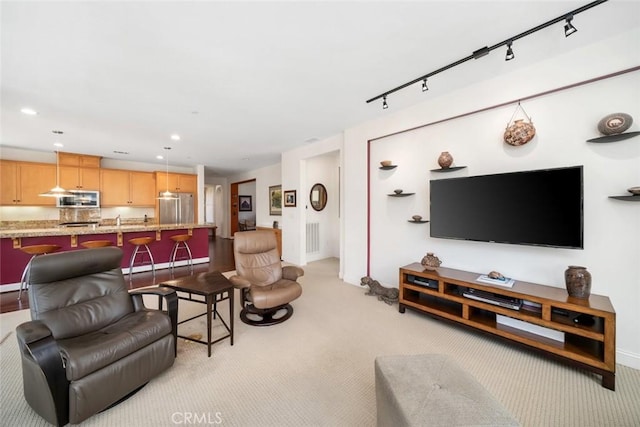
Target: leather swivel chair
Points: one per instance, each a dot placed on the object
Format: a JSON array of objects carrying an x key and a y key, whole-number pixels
[
  {"x": 91, "y": 342},
  {"x": 266, "y": 286}
]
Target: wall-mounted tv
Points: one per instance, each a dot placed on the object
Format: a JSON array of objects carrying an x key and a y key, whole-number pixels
[{"x": 540, "y": 207}]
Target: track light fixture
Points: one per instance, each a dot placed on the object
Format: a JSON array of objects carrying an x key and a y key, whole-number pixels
[
  {"x": 568, "y": 27},
  {"x": 510, "y": 55},
  {"x": 483, "y": 51}
]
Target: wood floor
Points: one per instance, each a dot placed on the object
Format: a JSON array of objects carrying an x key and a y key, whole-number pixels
[{"x": 220, "y": 254}]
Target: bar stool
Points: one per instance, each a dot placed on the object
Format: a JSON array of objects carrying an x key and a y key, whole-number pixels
[
  {"x": 181, "y": 244},
  {"x": 141, "y": 242},
  {"x": 90, "y": 244},
  {"x": 33, "y": 250}
]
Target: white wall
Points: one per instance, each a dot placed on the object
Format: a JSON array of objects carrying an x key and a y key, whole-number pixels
[{"x": 564, "y": 121}]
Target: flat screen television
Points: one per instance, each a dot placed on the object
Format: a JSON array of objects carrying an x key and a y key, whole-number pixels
[{"x": 540, "y": 208}]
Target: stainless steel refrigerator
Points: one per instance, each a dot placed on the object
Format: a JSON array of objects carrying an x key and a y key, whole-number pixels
[{"x": 177, "y": 211}]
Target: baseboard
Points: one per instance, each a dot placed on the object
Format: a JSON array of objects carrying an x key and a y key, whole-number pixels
[{"x": 627, "y": 358}]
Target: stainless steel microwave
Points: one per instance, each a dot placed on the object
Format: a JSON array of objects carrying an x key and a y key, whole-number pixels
[{"x": 80, "y": 199}]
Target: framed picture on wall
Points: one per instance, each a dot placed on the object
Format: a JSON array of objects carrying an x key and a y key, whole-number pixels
[
  {"x": 275, "y": 200},
  {"x": 245, "y": 203},
  {"x": 290, "y": 198}
]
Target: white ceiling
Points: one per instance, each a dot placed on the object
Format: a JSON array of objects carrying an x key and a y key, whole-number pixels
[{"x": 241, "y": 82}]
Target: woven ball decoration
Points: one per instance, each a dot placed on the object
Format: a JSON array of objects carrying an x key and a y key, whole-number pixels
[{"x": 519, "y": 133}]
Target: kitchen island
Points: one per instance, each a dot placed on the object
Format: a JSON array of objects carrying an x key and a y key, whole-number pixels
[{"x": 13, "y": 260}]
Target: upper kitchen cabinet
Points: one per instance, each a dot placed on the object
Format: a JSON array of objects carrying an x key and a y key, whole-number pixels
[
  {"x": 176, "y": 182},
  {"x": 23, "y": 182},
  {"x": 72, "y": 159},
  {"x": 127, "y": 188},
  {"x": 79, "y": 178}
]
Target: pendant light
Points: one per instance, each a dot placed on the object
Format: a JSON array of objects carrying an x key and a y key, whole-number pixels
[
  {"x": 57, "y": 191},
  {"x": 167, "y": 195}
]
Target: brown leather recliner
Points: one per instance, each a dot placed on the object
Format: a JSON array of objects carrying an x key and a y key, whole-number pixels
[
  {"x": 267, "y": 287},
  {"x": 90, "y": 342}
]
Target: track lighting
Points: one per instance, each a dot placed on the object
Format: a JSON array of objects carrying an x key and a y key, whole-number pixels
[
  {"x": 483, "y": 51},
  {"x": 510, "y": 55},
  {"x": 568, "y": 27}
]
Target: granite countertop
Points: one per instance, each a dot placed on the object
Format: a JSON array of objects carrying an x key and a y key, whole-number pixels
[{"x": 98, "y": 229}]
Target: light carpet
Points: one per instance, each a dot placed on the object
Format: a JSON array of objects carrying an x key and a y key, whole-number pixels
[{"x": 317, "y": 369}]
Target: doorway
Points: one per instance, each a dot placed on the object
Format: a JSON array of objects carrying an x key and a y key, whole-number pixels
[{"x": 248, "y": 190}]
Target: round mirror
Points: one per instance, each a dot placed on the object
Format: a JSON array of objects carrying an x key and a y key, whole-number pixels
[{"x": 318, "y": 197}]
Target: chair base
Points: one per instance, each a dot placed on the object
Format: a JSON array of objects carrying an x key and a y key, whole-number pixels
[
  {"x": 266, "y": 317},
  {"x": 122, "y": 399}
]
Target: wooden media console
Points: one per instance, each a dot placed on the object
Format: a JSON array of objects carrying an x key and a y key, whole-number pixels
[{"x": 586, "y": 327}]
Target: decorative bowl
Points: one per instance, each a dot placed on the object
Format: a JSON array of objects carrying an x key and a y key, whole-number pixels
[
  {"x": 398, "y": 191},
  {"x": 614, "y": 123},
  {"x": 417, "y": 217},
  {"x": 634, "y": 190},
  {"x": 385, "y": 163}
]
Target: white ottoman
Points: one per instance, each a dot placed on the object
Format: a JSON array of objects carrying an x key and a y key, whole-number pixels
[{"x": 432, "y": 390}]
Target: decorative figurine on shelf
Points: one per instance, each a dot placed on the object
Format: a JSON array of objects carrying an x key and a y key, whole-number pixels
[
  {"x": 430, "y": 261},
  {"x": 496, "y": 275},
  {"x": 385, "y": 163},
  {"x": 578, "y": 281},
  {"x": 616, "y": 123},
  {"x": 388, "y": 295}
]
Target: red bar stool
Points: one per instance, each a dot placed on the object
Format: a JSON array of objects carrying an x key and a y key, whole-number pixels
[
  {"x": 90, "y": 244},
  {"x": 33, "y": 250},
  {"x": 181, "y": 244},
  {"x": 141, "y": 242}
]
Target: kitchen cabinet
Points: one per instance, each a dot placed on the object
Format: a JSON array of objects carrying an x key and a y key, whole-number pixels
[
  {"x": 176, "y": 182},
  {"x": 79, "y": 178},
  {"x": 72, "y": 159},
  {"x": 127, "y": 188},
  {"x": 23, "y": 182}
]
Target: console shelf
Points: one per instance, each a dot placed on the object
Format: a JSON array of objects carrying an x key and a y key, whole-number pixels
[{"x": 547, "y": 322}]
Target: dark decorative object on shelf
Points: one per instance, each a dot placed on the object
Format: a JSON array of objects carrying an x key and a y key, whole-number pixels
[
  {"x": 496, "y": 275},
  {"x": 520, "y": 132},
  {"x": 416, "y": 217},
  {"x": 634, "y": 190},
  {"x": 430, "y": 261},
  {"x": 388, "y": 295},
  {"x": 445, "y": 160},
  {"x": 614, "y": 138},
  {"x": 578, "y": 281},
  {"x": 450, "y": 169},
  {"x": 615, "y": 123}
]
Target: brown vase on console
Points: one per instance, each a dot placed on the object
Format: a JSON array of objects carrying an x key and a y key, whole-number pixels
[{"x": 578, "y": 281}]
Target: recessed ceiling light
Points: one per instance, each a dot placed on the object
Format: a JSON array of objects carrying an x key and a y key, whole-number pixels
[
  {"x": 120, "y": 152},
  {"x": 57, "y": 132},
  {"x": 175, "y": 137},
  {"x": 29, "y": 111},
  {"x": 58, "y": 144}
]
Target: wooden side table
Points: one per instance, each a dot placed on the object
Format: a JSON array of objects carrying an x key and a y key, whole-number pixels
[{"x": 214, "y": 287}]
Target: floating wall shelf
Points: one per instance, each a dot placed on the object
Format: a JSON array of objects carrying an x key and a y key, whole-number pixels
[
  {"x": 386, "y": 168},
  {"x": 449, "y": 169},
  {"x": 626, "y": 198},
  {"x": 614, "y": 138},
  {"x": 422, "y": 221},
  {"x": 400, "y": 195}
]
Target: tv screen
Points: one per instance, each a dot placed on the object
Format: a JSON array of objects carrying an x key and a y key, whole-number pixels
[{"x": 540, "y": 208}]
